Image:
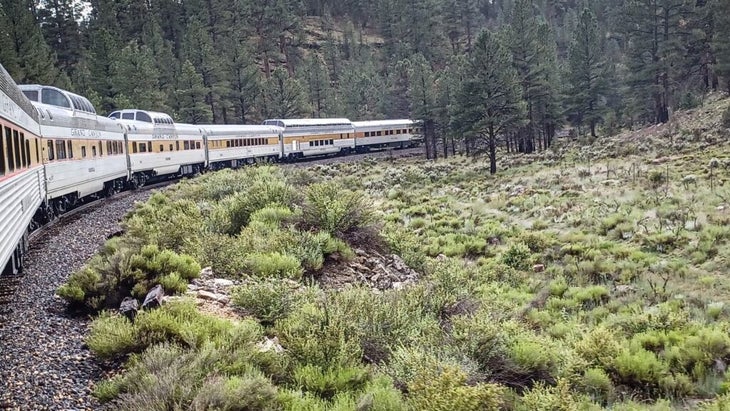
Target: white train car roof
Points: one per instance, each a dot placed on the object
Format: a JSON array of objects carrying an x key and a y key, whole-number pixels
[
  {"x": 16, "y": 107},
  {"x": 189, "y": 131},
  {"x": 379, "y": 124},
  {"x": 153, "y": 117},
  {"x": 54, "y": 96},
  {"x": 241, "y": 131},
  {"x": 61, "y": 108}
]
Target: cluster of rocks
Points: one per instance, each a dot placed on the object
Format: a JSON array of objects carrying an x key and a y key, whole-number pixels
[
  {"x": 44, "y": 362},
  {"x": 370, "y": 268}
]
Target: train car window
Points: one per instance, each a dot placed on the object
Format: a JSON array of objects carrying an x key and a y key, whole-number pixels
[
  {"x": 31, "y": 94},
  {"x": 83, "y": 151},
  {"x": 134, "y": 146},
  {"x": 186, "y": 145},
  {"x": 127, "y": 116},
  {"x": 93, "y": 151},
  {"x": 114, "y": 115},
  {"x": 197, "y": 145},
  {"x": 340, "y": 136},
  {"x": 51, "y": 151},
  {"x": 143, "y": 148},
  {"x": 60, "y": 150},
  {"x": 380, "y": 133},
  {"x": 332, "y": 142},
  {"x": 70, "y": 150},
  {"x": 142, "y": 116},
  {"x": 9, "y": 148},
  {"x": 23, "y": 154},
  {"x": 109, "y": 149},
  {"x": 171, "y": 147},
  {"x": 27, "y": 152},
  {"x": 101, "y": 149},
  {"x": 177, "y": 146},
  {"x": 149, "y": 146},
  {"x": 37, "y": 151},
  {"x": 54, "y": 98},
  {"x": 16, "y": 149},
  {"x": 228, "y": 143},
  {"x": 2, "y": 156},
  {"x": 162, "y": 148}
]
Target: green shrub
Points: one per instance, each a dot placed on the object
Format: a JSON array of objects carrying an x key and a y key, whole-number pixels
[
  {"x": 517, "y": 256},
  {"x": 111, "y": 335},
  {"x": 336, "y": 210},
  {"x": 118, "y": 271},
  {"x": 252, "y": 391},
  {"x": 327, "y": 383},
  {"x": 168, "y": 224},
  {"x": 534, "y": 358},
  {"x": 543, "y": 397},
  {"x": 233, "y": 213},
  {"x": 640, "y": 370},
  {"x": 268, "y": 300},
  {"x": 274, "y": 265},
  {"x": 599, "y": 347},
  {"x": 598, "y": 384},
  {"x": 445, "y": 389},
  {"x": 274, "y": 215}
]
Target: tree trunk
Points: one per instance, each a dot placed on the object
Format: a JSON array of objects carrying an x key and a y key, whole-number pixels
[{"x": 492, "y": 150}]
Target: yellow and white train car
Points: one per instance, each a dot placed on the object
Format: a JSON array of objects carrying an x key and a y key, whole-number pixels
[
  {"x": 384, "y": 133},
  {"x": 236, "y": 145},
  {"x": 22, "y": 185},
  {"x": 83, "y": 153},
  {"x": 315, "y": 136},
  {"x": 159, "y": 147}
]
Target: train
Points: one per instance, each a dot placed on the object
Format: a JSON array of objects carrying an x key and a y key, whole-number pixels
[{"x": 56, "y": 152}]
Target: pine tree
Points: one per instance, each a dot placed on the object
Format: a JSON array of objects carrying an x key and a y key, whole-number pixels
[
  {"x": 587, "y": 73},
  {"x": 285, "y": 96},
  {"x": 191, "y": 94},
  {"x": 656, "y": 30},
  {"x": 23, "y": 52},
  {"x": 58, "y": 21},
  {"x": 200, "y": 52},
  {"x": 317, "y": 81},
  {"x": 101, "y": 61},
  {"x": 423, "y": 100},
  {"x": 136, "y": 79},
  {"x": 489, "y": 101},
  {"x": 721, "y": 41}
]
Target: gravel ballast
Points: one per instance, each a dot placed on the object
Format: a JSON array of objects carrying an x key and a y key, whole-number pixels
[{"x": 44, "y": 363}]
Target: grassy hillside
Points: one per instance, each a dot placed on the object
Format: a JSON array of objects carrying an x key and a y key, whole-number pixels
[{"x": 589, "y": 276}]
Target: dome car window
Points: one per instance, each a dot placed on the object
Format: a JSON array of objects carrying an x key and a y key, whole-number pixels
[
  {"x": 31, "y": 94},
  {"x": 54, "y": 98},
  {"x": 143, "y": 117},
  {"x": 128, "y": 116}
]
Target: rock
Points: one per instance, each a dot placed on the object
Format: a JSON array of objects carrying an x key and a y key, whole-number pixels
[
  {"x": 441, "y": 257},
  {"x": 719, "y": 366},
  {"x": 623, "y": 289},
  {"x": 129, "y": 307},
  {"x": 270, "y": 344},
  {"x": 193, "y": 287},
  {"x": 154, "y": 297},
  {"x": 720, "y": 208},
  {"x": 222, "y": 282},
  {"x": 538, "y": 268},
  {"x": 207, "y": 295},
  {"x": 206, "y": 272},
  {"x": 397, "y": 285}
]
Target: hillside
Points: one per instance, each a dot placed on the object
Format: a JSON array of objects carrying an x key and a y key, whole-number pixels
[{"x": 590, "y": 276}]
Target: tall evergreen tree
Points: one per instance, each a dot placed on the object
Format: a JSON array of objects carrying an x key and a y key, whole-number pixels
[
  {"x": 489, "y": 101},
  {"x": 23, "y": 51},
  {"x": 285, "y": 96},
  {"x": 423, "y": 100},
  {"x": 587, "y": 73},
  {"x": 656, "y": 30},
  {"x": 136, "y": 79},
  {"x": 317, "y": 81},
  {"x": 721, "y": 41},
  {"x": 59, "y": 22},
  {"x": 191, "y": 94}
]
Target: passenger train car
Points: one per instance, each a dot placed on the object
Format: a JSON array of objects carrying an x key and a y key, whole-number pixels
[
  {"x": 384, "y": 133},
  {"x": 234, "y": 145},
  {"x": 22, "y": 179},
  {"x": 56, "y": 152},
  {"x": 83, "y": 153},
  {"x": 158, "y": 147},
  {"x": 315, "y": 136}
]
